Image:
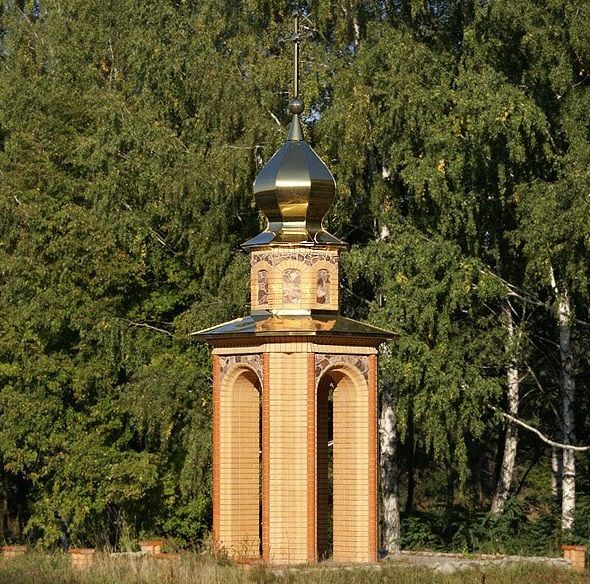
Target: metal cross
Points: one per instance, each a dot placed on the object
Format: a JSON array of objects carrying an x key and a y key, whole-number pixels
[{"x": 296, "y": 40}]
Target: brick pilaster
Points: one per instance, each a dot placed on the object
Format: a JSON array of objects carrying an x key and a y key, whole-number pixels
[
  {"x": 311, "y": 460},
  {"x": 372, "y": 458},
  {"x": 216, "y": 445},
  {"x": 265, "y": 457}
]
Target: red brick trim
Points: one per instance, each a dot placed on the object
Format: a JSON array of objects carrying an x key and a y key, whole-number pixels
[
  {"x": 311, "y": 461},
  {"x": 265, "y": 457},
  {"x": 216, "y": 447},
  {"x": 372, "y": 458}
]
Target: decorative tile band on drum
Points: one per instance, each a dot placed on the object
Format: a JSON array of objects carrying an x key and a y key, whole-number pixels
[
  {"x": 253, "y": 361},
  {"x": 324, "y": 362},
  {"x": 309, "y": 259}
]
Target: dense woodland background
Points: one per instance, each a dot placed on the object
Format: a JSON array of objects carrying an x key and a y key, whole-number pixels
[{"x": 459, "y": 135}]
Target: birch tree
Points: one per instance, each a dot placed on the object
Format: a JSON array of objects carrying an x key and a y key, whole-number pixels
[
  {"x": 568, "y": 389},
  {"x": 553, "y": 216},
  {"x": 560, "y": 248},
  {"x": 391, "y": 528},
  {"x": 513, "y": 398},
  {"x": 129, "y": 138}
]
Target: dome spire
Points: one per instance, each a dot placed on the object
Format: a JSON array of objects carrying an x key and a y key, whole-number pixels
[
  {"x": 295, "y": 103},
  {"x": 295, "y": 189}
]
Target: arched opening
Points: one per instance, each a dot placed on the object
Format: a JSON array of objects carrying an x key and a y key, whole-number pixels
[
  {"x": 292, "y": 286},
  {"x": 323, "y": 287},
  {"x": 240, "y": 464},
  {"x": 324, "y": 468},
  {"x": 262, "y": 279},
  {"x": 342, "y": 490}
]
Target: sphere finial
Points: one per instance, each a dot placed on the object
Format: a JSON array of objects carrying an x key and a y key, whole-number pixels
[
  {"x": 295, "y": 105},
  {"x": 295, "y": 189}
]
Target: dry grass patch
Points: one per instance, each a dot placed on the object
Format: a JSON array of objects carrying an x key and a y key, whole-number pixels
[{"x": 205, "y": 569}]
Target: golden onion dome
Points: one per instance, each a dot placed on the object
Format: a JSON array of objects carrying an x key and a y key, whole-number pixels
[{"x": 294, "y": 191}]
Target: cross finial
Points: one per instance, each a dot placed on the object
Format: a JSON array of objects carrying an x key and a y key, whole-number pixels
[
  {"x": 295, "y": 103},
  {"x": 296, "y": 39}
]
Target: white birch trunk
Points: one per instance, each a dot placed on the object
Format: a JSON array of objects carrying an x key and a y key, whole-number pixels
[
  {"x": 555, "y": 471},
  {"x": 556, "y": 466},
  {"x": 389, "y": 475},
  {"x": 568, "y": 480},
  {"x": 557, "y": 460},
  {"x": 568, "y": 387},
  {"x": 511, "y": 439},
  {"x": 389, "y": 484},
  {"x": 357, "y": 32}
]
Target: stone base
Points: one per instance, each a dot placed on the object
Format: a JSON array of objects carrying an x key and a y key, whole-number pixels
[
  {"x": 13, "y": 551},
  {"x": 81, "y": 558},
  {"x": 576, "y": 554}
]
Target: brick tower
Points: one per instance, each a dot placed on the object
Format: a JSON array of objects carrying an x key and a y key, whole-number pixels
[{"x": 295, "y": 385}]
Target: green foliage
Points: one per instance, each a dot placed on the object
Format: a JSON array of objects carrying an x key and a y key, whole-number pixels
[
  {"x": 188, "y": 523},
  {"x": 435, "y": 299},
  {"x": 103, "y": 260},
  {"x": 581, "y": 532},
  {"x": 418, "y": 534},
  {"x": 520, "y": 530},
  {"x": 130, "y": 135}
]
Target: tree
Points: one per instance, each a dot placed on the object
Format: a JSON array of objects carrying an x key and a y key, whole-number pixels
[
  {"x": 113, "y": 241},
  {"x": 129, "y": 139}
]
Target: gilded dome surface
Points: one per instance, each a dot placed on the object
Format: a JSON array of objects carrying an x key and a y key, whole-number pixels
[{"x": 295, "y": 191}]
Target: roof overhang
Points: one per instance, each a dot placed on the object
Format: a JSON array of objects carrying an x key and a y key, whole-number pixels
[{"x": 266, "y": 324}]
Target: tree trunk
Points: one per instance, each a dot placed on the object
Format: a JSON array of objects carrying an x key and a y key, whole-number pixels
[
  {"x": 389, "y": 475},
  {"x": 511, "y": 438},
  {"x": 556, "y": 468},
  {"x": 568, "y": 480},
  {"x": 356, "y": 26},
  {"x": 568, "y": 388},
  {"x": 391, "y": 524},
  {"x": 557, "y": 460}
]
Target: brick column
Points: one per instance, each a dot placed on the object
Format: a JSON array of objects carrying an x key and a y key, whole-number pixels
[
  {"x": 216, "y": 424},
  {"x": 373, "y": 458},
  {"x": 265, "y": 458},
  {"x": 311, "y": 461}
]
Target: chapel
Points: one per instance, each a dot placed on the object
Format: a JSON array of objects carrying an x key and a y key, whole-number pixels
[{"x": 295, "y": 384}]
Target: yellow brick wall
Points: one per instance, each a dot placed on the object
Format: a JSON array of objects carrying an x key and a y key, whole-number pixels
[
  {"x": 351, "y": 448},
  {"x": 294, "y": 502},
  {"x": 288, "y": 458},
  {"x": 239, "y": 472}
]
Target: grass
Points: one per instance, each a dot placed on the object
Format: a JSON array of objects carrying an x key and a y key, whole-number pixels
[{"x": 205, "y": 569}]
